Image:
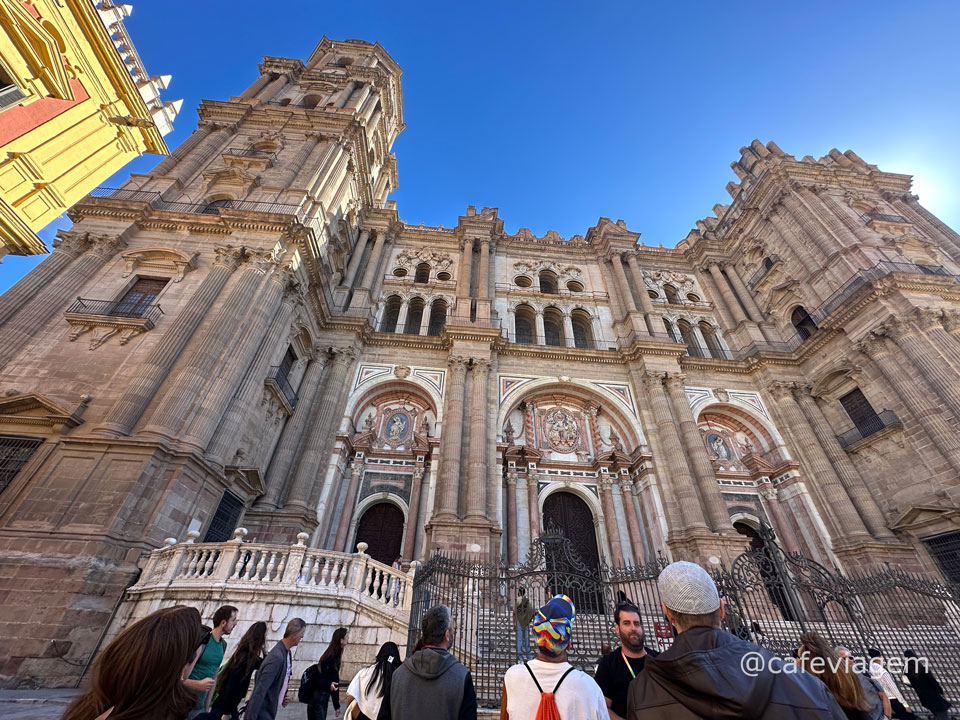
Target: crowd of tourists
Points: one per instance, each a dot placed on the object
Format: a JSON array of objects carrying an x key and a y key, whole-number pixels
[{"x": 169, "y": 666}]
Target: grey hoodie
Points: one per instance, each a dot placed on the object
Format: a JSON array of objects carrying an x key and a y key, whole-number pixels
[{"x": 432, "y": 684}]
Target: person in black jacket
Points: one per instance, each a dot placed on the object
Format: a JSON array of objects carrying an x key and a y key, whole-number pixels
[
  {"x": 234, "y": 680},
  {"x": 925, "y": 685},
  {"x": 324, "y": 678}
]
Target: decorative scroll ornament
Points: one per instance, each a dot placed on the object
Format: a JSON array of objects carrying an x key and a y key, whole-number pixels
[{"x": 562, "y": 430}]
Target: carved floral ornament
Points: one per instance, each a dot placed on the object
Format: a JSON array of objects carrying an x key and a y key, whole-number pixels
[
  {"x": 562, "y": 271},
  {"x": 438, "y": 260},
  {"x": 656, "y": 279}
]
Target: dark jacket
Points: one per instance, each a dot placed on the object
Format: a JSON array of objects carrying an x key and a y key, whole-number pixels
[
  {"x": 233, "y": 689},
  {"x": 266, "y": 691},
  {"x": 700, "y": 676},
  {"x": 320, "y": 677},
  {"x": 928, "y": 690},
  {"x": 432, "y": 684}
]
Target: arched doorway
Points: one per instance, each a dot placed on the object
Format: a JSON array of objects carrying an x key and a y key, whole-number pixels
[
  {"x": 573, "y": 517},
  {"x": 381, "y": 527},
  {"x": 774, "y": 583}
]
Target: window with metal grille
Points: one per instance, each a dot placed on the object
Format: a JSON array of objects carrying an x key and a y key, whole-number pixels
[
  {"x": 945, "y": 550},
  {"x": 15, "y": 452},
  {"x": 864, "y": 417},
  {"x": 225, "y": 518},
  {"x": 286, "y": 365},
  {"x": 140, "y": 297}
]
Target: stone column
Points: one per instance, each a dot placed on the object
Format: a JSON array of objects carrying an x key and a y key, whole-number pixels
[
  {"x": 812, "y": 196},
  {"x": 294, "y": 430},
  {"x": 753, "y": 310},
  {"x": 533, "y": 504},
  {"x": 355, "y": 258},
  {"x": 275, "y": 87},
  {"x": 402, "y": 316},
  {"x": 911, "y": 342},
  {"x": 512, "y": 324},
  {"x": 685, "y": 491},
  {"x": 713, "y": 292},
  {"x": 728, "y": 297},
  {"x": 227, "y": 375},
  {"x": 951, "y": 323},
  {"x": 55, "y": 297},
  {"x": 355, "y": 471},
  {"x": 511, "y": 523},
  {"x": 413, "y": 518},
  {"x": 483, "y": 281},
  {"x": 464, "y": 278},
  {"x": 541, "y": 338},
  {"x": 568, "y": 330},
  {"x": 182, "y": 150},
  {"x": 610, "y": 520},
  {"x": 781, "y": 526},
  {"x": 917, "y": 397},
  {"x": 851, "y": 223},
  {"x": 718, "y": 517},
  {"x": 323, "y": 426},
  {"x": 425, "y": 320},
  {"x": 345, "y": 94},
  {"x": 296, "y": 164},
  {"x": 123, "y": 416},
  {"x": 370, "y": 272},
  {"x": 633, "y": 521},
  {"x": 799, "y": 215},
  {"x": 66, "y": 248},
  {"x": 258, "y": 85},
  {"x": 451, "y": 443},
  {"x": 701, "y": 340},
  {"x": 616, "y": 307},
  {"x": 622, "y": 283},
  {"x": 320, "y": 153},
  {"x": 846, "y": 522},
  {"x": 183, "y": 390},
  {"x": 863, "y": 500},
  {"x": 646, "y": 306},
  {"x": 201, "y": 154},
  {"x": 475, "y": 506},
  {"x": 932, "y": 322}
]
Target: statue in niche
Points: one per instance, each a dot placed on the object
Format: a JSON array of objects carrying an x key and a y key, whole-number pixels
[
  {"x": 508, "y": 433},
  {"x": 614, "y": 440},
  {"x": 397, "y": 427},
  {"x": 718, "y": 446},
  {"x": 562, "y": 430}
]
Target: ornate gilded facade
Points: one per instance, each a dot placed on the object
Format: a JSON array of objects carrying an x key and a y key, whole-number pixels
[{"x": 250, "y": 336}]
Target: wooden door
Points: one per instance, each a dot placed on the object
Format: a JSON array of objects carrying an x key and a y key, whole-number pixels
[
  {"x": 573, "y": 517},
  {"x": 381, "y": 527}
]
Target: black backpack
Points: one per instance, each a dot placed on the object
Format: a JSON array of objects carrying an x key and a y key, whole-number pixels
[{"x": 307, "y": 681}]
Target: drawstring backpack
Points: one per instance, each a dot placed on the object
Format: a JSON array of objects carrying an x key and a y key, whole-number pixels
[{"x": 547, "y": 709}]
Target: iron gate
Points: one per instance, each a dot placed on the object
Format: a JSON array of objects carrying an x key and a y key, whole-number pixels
[{"x": 771, "y": 597}]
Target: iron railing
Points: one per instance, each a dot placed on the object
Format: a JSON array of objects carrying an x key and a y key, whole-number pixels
[
  {"x": 278, "y": 376},
  {"x": 882, "y": 420},
  {"x": 10, "y": 96},
  {"x": 763, "y": 271},
  {"x": 154, "y": 199},
  {"x": 251, "y": 153},
  {"x": 867, "y": 217},
  {"x": 115, "y": 308}
]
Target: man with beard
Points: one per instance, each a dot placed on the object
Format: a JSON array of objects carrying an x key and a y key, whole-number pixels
[{"x": 617, "y": 669}]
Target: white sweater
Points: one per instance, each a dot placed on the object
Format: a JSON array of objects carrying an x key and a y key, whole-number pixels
[{"x": 579, "y": 697}]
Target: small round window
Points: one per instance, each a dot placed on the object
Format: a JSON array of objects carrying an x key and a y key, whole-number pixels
[
  {"x": 693, "y": 297},
  {"x": 652, "y": 294},
  {"x": 443, "y": 275},
  {"x": 523, "y": 281},
  {"x": 400, "y": 272},
  {"x": 574, "y": 286}
]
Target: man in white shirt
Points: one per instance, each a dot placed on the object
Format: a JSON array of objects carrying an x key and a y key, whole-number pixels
[
  {"x": 898, "y": 703},
  {"x": 549, "y": 677}
]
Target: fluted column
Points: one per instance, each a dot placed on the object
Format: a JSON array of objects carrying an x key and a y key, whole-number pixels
[
  {"x": 623, "y": 284},
  {"x": 259, "y": 84},
  {"x": 646, "y": 306},
  {"x": 314, "y": 450},
  {"x": 846, "y": 520},
  {"x": 609, "y": 279},
  {"x": 541, "y": 338},
  {"x": 66, "y": 248},
  {"x": 533, "y": 504},
  {"x": 909, "y": 339},
  {"x": 370, "y": 272},
  {"x": 633, "y": 521},
  {"x": 464, "y": 278},
  {"x": 413, "y": 518},
  {"x": 568, "y": 330},
  {"x": 781, "y": 526},
  {"x": 274, "y": 87},
  {"x": 200, "y": 154},
  {"x": 126, "y": 412},
  {"x": 184, "y": 389},
  {"x": 402, "y": 316},
  {"x": 863, "y": 500},
  {"x": 320, "y": 153},
  {"x": 951, "y": 323},
  {"x": 451, "y": 442},
  {"x": 182, "y": 150},
  {"x": 355, "y": 471},
  {"x": 847, "y": 217},
  {"x": 718, "y": 517},
  {"x": 297, "y": 163},
  {"x": 813, "y": 196},
  {"x": 753, "y": 310},
  {"x": 610, "y": 520},
  {"x": 684, "y": 490},
  {"x": 799, "y": 215},
  {"x": 54, "y": 298},
  {"x": 483, "y": 270},
  {"x": 355, "y": 258},
  {"x": 720, "y": 280},
  {"x": 476, "y": 504},
  {"x": 251, "y": 388},
  {"x": 345, "y": 94},
  {"x": 932, "y": 322},
  {"x": 294, "y": 431},
  {"x": 513, "y": 554},
  {"x": 424, "y": 320}
]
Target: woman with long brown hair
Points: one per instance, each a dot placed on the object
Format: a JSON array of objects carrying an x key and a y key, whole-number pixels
[
  {"x": 324, "y": 678},
  {"x": 234, "y": 680},
  {"x": 817, "y": 657},
  {"x": 139, "y": 675}
]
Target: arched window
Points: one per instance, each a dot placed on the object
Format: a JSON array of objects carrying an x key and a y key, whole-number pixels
[
  {"x": 686, "y": 332},
  {"x": 311, "y": 101},
  {"x": 668, "y": 327},
  {"x": 438, "y": 316},
  {"x": 582, "y": 333},
  {"x": 767, "y": 263},
  {"x": 414, "y": 316},
  {"x": 710, "y": 337},
  {"x": 803, "y": 322},
  {"x": 423, "y": 273},
  {"x": 525, "y": 323},
  {"x": 391, "y": 312},
  {"x": 548, "y": 283},
  {"x": 671, "y": 292},
  {"x": 212, "y": 207},
  {"x": 553, "y": 327}
]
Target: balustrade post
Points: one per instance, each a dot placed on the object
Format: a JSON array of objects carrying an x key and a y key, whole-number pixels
[
  {"x": 408, "y": 593},
  {"x": 295, "y": 560},
  {"x": 359, "y": 568}
]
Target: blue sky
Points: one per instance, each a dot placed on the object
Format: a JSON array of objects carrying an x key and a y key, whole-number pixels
[{"x": 559, "y": 113}]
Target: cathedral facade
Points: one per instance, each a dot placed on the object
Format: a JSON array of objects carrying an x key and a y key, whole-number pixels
[{"x": 250, "y": 336}]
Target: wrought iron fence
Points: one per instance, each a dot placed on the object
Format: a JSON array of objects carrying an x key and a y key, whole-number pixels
[{"x": 771, "y": 598}]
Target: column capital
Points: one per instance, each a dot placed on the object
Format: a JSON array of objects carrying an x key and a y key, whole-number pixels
[
  {"x": 928, "y": 318},
  {"x": 480, "y": 366},
  {"x": 951, "y": 320},
  {"x": 71, "y": 242},
  {"x": 768, "y": 493},
  {"x": 898, "y": 328},
  {"x": 873, "y": 346},
  {"x": 626, "y": 484},
  {"x": 457, "y": 364},
  {"x": 605, "y": 483},
  {"x": 512, "y": 476},
  {"x": 653, "y": 380},
  {"x": 343, "y": 354},
  {"x": 105, "y": 246},
  {"x": 320, "y": 355},
  {"x": 674, "y": 381},
  {"x": 782, "y": 390}
]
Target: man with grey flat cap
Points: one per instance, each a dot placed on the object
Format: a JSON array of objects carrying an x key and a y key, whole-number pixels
[{"x": 704, "y": 673}]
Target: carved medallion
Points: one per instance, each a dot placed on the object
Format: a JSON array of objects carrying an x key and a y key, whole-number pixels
[
  {"x": 397, "y": 428},
  {"x": 562, "y": 430}
]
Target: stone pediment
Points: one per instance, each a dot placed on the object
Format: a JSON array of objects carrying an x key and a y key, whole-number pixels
[
  {"x": 248, "y": 479},
  {"x": 165, "y": 260},
  {"x": 35, "y": 410},
  {"x": 781, "y": 296},
  {"x": 924, "y": 520}
]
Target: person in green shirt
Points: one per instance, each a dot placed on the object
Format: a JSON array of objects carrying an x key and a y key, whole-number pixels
[{"x": 204, "y": 676}]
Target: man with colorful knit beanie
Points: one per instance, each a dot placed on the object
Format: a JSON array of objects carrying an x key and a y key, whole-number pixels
[{"x": 548, "y": 687}]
